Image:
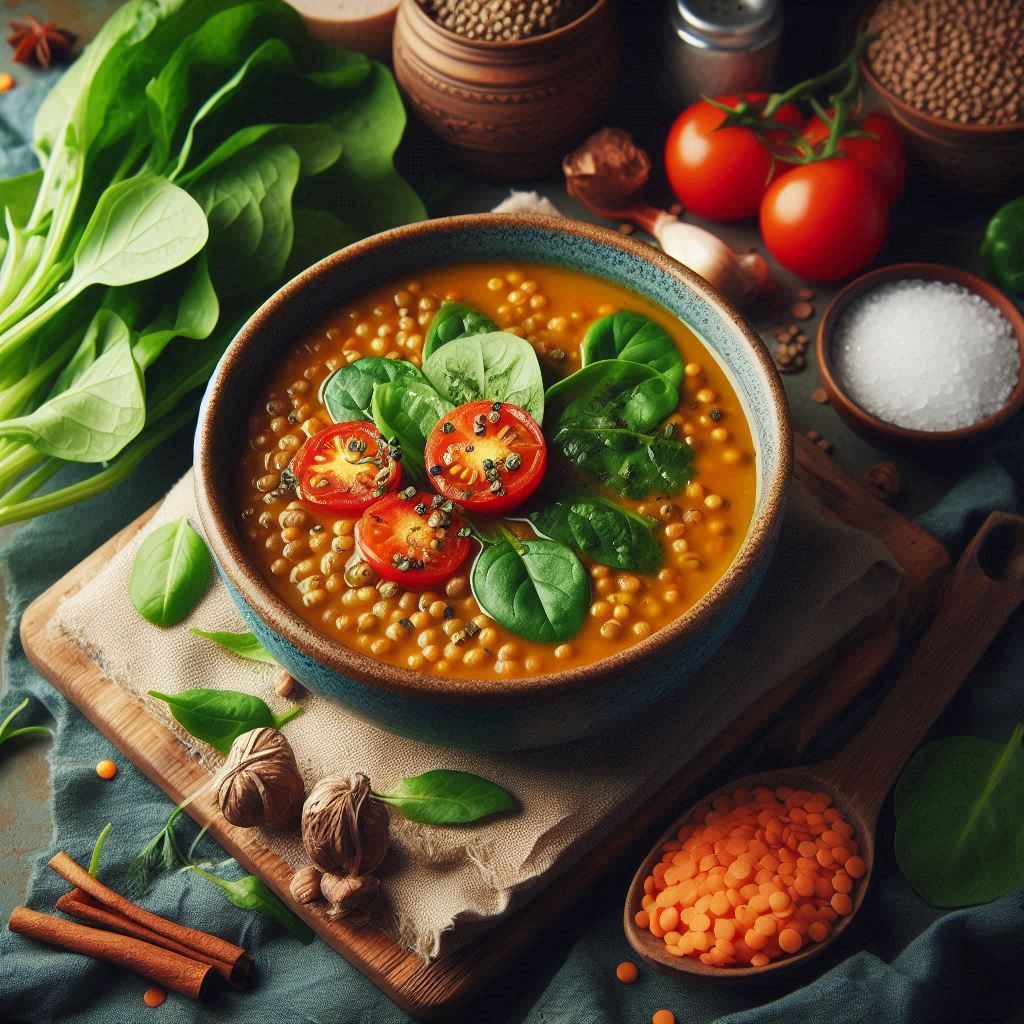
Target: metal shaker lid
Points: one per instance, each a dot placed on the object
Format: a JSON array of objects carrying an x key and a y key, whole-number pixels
[{"x": 726, "y": 24}]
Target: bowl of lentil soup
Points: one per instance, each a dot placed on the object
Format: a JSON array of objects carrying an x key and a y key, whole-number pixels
[{"x": 494, "y": 481}]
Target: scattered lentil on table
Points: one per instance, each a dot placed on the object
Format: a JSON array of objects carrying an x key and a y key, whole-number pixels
[
  {"x": 627, "y": 972},
  {"x": 154, "y": 997},
  {"x": 756, "y": 875},
  {"x": 106, "y": 770},
  {"x": 959, "y": 60},
  {"x": 307, "y": 554},
  {"x": 504, "y": 20},
  {"x": 927, "y": 355}
]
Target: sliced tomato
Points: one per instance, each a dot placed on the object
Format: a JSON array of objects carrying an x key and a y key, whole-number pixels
[
  {"x": 413, "y": 537},
  {"x": 488, "y": 456},
  {"x": 346, "y": 467}
]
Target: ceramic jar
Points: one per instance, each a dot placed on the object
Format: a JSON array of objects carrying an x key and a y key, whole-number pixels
[{"x": 508, "y": 110}]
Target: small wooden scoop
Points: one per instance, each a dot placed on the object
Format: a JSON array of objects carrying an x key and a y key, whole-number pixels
[{"x": 981, "y": 593}]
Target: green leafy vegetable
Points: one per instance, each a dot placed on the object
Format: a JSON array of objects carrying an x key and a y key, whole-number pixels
[
  {"x": 959, "y": 830},
  {"x": 1002, "y": 250},
  {"x": 161, "y": 853},
  {"x": 9, "y": 733},
  {"x": 537, "y": 589},
  {"x": 196, "y": 153},
  {"x": 408, "y": 411},
  {"x": 633, "y": 337},
  {"x": 452, "y": 321},
  {"x": 251, "y": 893},
  {"x": 170, "y": 573},
  {"x": 245, "y": 645},
  {"x": 633, "y": 464},
  {"x": 603, "y": 531},
  {"x": 97, "y": 850},
  {"x": 348, "y": 392},
  {"x": 219, "y": 717},
  {"x": 498, "y": 366},
  {"x": 446, "y": 797},
  {"x": 612, "y": 393}
]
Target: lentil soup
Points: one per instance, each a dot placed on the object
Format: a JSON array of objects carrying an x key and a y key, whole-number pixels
[{"x": 308, "y": 551}]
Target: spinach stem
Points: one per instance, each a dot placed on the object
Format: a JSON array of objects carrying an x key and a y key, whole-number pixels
[
  {"x": 284, "y": 719},
  {"x": 19, "y": 462},
  {"x": 94, "y": 861},
  {"x": 31, "y": 483}
]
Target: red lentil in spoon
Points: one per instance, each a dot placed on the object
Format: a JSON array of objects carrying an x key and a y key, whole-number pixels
[{"x": 757, "y": 876}]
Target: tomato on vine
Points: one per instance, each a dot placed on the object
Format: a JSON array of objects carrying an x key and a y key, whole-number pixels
[{"x": 722, "y": 173}]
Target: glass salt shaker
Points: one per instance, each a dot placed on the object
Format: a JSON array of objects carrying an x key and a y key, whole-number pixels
[{"x": 715, "y": 47}]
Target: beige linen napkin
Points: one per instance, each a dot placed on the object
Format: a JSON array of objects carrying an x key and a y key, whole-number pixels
[{"x": 446, "y": 885}]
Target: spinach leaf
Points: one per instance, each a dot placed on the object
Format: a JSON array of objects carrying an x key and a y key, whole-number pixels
[
  {"x": 99, "y": 411},
  {"x": 219, "y": 717},
  {"x": 630, "y": 336},
  {"x": 603, "y": 531},
  {"x": 634, "y": 464},
  {"x": 612, "y": 393},
  {"x": 497, "y": 366},
  {"x": 537, "y": 589},
  {"x": 348, "y": 392},
  {"x": 170, "y": 573},
  {"x": 408, "y": 411},
  {"x": 245, "y": 645},
  {"x": 960, "y": 831},
  {"x": 251, "y": 893},
  {"x": 7, "y": 733},
  {"x": 447, "y": 797},
  {"x": 455, "y": 320}
]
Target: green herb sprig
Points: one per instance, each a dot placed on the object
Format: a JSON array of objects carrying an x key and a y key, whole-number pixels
[{"x": 7, "y": 732}]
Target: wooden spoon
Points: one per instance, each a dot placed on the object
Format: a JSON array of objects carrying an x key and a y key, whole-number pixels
[{"x": 983, "y": 590}]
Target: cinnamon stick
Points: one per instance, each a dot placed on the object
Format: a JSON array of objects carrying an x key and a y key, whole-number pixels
[
  {"x": 79, "y": 904},
  {"x": 197, "y": 941},
  {"x": 169, "y": 970}
]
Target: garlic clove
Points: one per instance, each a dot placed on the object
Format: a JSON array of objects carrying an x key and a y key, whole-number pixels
[{"x": 305, "y": 885}]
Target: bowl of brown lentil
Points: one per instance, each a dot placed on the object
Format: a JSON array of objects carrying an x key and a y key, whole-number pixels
[
  {"x": 508, "y": 85},
  {"x": 406, "y": 656},
  {"x": 951, "y": 75}
]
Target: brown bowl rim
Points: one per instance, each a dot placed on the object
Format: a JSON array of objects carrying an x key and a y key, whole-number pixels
[
  {"x": 928, "y": 272},
  {"x": 911, "y": 111},
  {"x": 217, "y": 520},
  {"x": 497, "y": 45}
]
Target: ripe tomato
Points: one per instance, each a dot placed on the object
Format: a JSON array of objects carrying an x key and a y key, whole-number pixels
[
  {"x": 414, "y": 538},
  {"x": 722, "y": 174},
  {"x": 346, "y": 467},
  {"x": 488, "y": 456},
  {"x": 825, "y": 220},
  {"x": 884, "y": 158}
]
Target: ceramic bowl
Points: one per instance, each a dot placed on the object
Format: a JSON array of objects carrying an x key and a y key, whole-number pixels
[
  {"x": 493, "y": 713},
  {"x": 888, "y": 435},
  {"x": 507, "y": 110}
]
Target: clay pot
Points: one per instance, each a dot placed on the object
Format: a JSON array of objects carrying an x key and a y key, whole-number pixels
[{"x": 508, "y": 110}]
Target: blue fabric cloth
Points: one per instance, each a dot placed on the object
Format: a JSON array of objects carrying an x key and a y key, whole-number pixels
[{"x": 901, "y": 961}]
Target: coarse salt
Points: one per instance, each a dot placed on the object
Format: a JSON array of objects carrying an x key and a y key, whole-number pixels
[{"x": 926, "y": 355}]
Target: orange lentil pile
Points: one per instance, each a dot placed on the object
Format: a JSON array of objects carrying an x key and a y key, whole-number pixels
[{"x": 756, "y": 876}]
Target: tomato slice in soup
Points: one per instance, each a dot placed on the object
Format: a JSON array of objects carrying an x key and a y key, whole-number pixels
[
  {"x": 346, "y": 468},
  {"x": 414, "y": 538},
  {"x": 488, "y": 456}
]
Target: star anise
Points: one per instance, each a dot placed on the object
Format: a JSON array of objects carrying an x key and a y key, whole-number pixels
[{"x": 40, "y": 42}]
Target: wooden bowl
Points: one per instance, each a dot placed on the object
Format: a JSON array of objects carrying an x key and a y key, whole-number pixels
[
  {"x": 492, "y": 713},
  {"x": 888, "y": 435},
  {"x": 508, "y": 110},
  {"x": 977, "y": 158}
]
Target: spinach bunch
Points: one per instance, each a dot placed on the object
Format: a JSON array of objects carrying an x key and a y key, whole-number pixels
[{"x": 196, "y": 154}]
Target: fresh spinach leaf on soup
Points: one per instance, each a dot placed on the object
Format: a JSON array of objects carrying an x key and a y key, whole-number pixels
[
  {"x": 603, "y": 531},
  {"x": 455, "y": 320},
  {"x": 497, "y": 366},
  {"x": 348, "y": 392},
  {"x": 408, "y": 410},
  {"x": 630, "y": 336}
]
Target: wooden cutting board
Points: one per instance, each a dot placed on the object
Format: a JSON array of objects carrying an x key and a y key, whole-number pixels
[{"x": 777, "y": 729}]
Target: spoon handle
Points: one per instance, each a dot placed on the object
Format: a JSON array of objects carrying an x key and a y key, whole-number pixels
[{"x": 982, "y": 591}]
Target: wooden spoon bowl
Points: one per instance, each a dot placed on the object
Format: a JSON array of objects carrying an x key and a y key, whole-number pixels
[{"x": 984, "y": 589}]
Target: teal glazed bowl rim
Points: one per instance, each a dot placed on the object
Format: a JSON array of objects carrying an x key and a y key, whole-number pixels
[{"x": 286, "y": 314}]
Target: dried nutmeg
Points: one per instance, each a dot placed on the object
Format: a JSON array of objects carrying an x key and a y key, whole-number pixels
[
  {"x": 607, "y": 170},
  {"x": 305, "y": 885},
  {"x": 344, "y": 829},
  {"x": 883, "y": 480},
  {"x": 349, "y": 894},
  {"x": 260, "y": 782}
]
